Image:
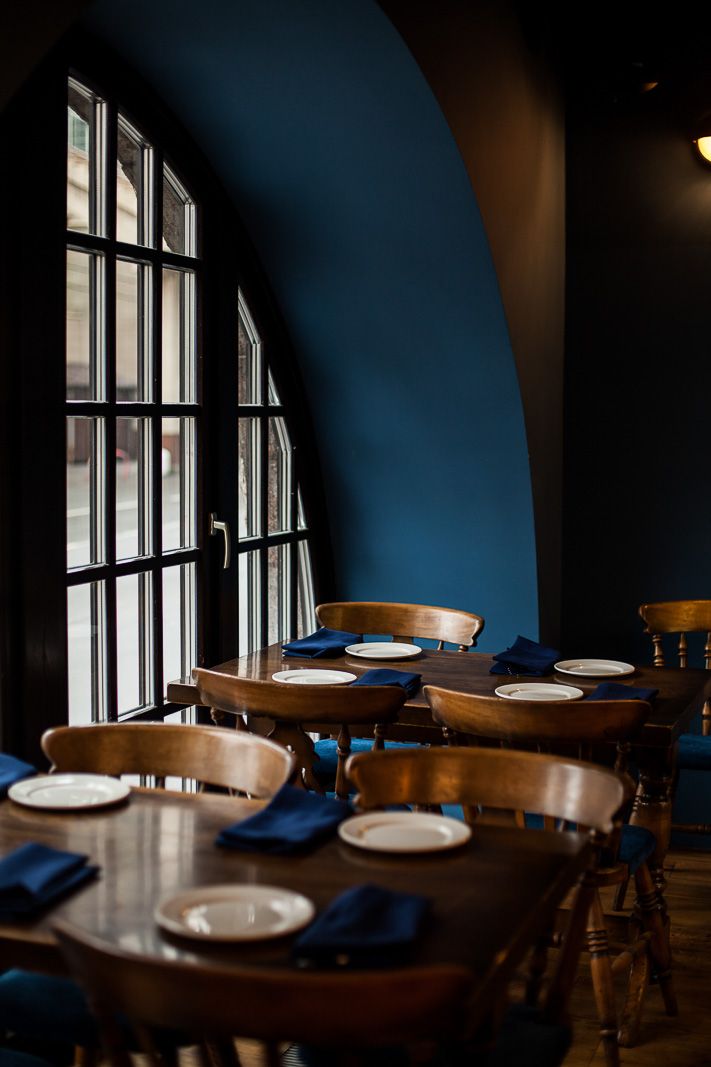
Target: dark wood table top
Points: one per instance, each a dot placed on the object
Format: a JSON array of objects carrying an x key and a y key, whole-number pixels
[
  {"x": 681, "y": 692},
  {"x": 490, "y": 897}
]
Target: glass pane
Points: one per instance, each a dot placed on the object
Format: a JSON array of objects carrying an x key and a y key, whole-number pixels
[
  {"x": 133, "y": 472},
  {"x": 85, "y": 160},
  {"x": 305, "y": 607},
  {"x": 133, "y": 331},
  {"x": 301, "y": 522},
  {"x": 279, "y": 492},
  {"x": 179, "y": 622},
  {"x": 249, "y": 358},
  {"x": 278, "y": 564},
  {"x": 179, "y": 485},
  {"x": 249, "y": 587},
  {"x": 85, "y": 497},
  {"x": 178, "y": 344},
  {"x": 134, "y": 643},
  {"x": 85, "y": 334},
  {"x": 273, "y": 394},
  {"x": 178, "y": 216},
  {"x": 133, "y": 185},
  {"x": 249, "y": 478},
  {"x": 86, "y": 653}
]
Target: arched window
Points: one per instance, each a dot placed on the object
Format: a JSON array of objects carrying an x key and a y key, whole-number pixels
[{"x": 178, "y": 421}]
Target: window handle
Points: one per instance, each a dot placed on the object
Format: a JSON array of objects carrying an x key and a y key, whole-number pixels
[{"x": 221, "y": 527}]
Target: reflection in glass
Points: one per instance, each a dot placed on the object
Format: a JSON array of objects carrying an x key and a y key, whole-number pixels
[
  {"x": 133, "y": 331},
  {"x": 178, "y": 346},
  {"x": 86, "y": 653},
  {"x": 85, "y": 335},
  {"x": 279, "y": 493},
  {"x": 178, "y": 216},
  {"x": 279, "y": 586},
  {"x": 250, "y": 616},
  {"x": 305, "y": 602},
  {"x": 179, "y": 622},
  {"x": 134, "y": 642},
  {"x": 179, "y": 491},
  {"x": 249, "y": 358},
  {"x": 133, "y": 472},
  {"x": 249, "y": 478},
  {"x": 85, "y": 485},
  {"x": 273, "y": 394},
  {"x": 133, "y": 185},
  {"x": 85, "y": 152},
  {"x": 301, "y": 520}
]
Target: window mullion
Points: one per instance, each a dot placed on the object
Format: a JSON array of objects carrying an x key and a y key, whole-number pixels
[{"x": 157, "y": 429}]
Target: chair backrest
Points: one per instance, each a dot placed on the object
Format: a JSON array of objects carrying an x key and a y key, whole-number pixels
[
  {"x": 299, "y": 703},
  {"x": 414, "y": 620},
  {"x": 678, "y": 617},
  {"x": 342, "y": 1011},
  {"x": 208, "y": 754}
]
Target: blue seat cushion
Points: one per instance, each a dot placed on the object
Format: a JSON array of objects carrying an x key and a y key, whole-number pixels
[
  {"x": 10, "y": 1057},
  {"x": 694, "y": 753},
  {"x": 327, "y": 752},
  {"x": 636, "y": 845},
  {"x": 41, "y": 1006}
]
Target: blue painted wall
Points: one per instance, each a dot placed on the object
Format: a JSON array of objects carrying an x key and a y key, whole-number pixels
[{"x": 325, "y": 133}]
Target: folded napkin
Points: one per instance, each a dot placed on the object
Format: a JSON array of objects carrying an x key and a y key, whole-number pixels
[
  {"x": 321, "y": 645},
  {"x": 383, "y": 676},
  {"x": 293, "y": 820},
  {"x": 34, "y": 875},
  {"x": 13, "y": 770},
  {"x": 367, "y": 926},
  {"x": 618, "y": 691},
  {"x": 525, "y": 657}
]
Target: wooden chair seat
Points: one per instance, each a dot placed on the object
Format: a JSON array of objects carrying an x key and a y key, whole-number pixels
[{"x": 467, "y": 718}]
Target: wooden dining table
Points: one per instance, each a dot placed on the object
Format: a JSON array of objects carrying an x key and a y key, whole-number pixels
[
  {"x": 680, "y": 699},
  {"x": 490, "y": 897}
]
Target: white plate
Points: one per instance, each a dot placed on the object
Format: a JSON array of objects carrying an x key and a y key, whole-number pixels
[
  {"x": 404, "y": 831},
  {"x": 234, "y": 912},
  {"x": 383, "y": 650},
  {"x": 594, "y": 668},
  {"x": 68, "y": 792},
  {"x": 538, "y": 691},
  {"x": 307, "y": 676}
]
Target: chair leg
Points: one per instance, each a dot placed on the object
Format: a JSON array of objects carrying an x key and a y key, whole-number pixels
[
  {"x": 653, "y": 913},
  {"x": 636, "y": 989},
  {"x": 603, "y": 986},
  {"x": 536, "y": 970}
]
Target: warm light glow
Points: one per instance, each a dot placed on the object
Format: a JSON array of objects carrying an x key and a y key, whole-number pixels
[{"x": 704, "y": 146}]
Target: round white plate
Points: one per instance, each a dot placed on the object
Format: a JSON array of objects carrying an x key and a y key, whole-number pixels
[
  {"x": 234, "y": 912},
  {"x": 68, "y": 792},
  {"x": 404, "y": 831},
  {"x": 307, "y": 676},
  {"x": 538, "y": 691},
  {"x": 383, "y": 650},
  {"x": 594, "y": 668}
]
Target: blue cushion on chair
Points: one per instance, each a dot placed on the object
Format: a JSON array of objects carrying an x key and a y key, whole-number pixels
[
  {"x": 10, "y": 1057},
  {"x": 327, "y": 752},
  {"x": 44, "y": 1007},
  {"x": 694, "y": 753},
  {"x": 636, "y": 845}
]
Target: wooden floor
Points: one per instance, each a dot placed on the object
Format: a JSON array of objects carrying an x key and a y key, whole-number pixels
[{"x": 684, "y": 1041}]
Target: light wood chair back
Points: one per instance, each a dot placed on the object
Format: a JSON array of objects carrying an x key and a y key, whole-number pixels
[
  {"x": 208, "y": 754},
  {"x": 680, "y": 617},
  {"x": 459, "y": 628},
  {"x": 291, "y": 708},
  {"x": 341, "y": 1012}
]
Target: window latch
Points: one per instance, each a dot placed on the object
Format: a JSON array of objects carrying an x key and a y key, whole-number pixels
[{"x": 216, "y": 526}]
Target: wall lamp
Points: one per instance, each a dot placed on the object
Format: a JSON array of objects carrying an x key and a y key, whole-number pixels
[{"x": 703, "y": 147}]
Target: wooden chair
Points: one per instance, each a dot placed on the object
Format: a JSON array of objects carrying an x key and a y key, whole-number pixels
[
  {"x": 587, "y": 725},
  {"x": 682, "y": 617},
  {"x": 346, "y": 1014},
  {"x": 292, "y": 708},
  {"x": 499, "y": 779},
  {"x": 209, "y": 755},
  {"x": 417, "y": 620}
]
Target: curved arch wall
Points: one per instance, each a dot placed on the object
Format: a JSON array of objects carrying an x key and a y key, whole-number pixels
[{"x": 325, "y": 132}]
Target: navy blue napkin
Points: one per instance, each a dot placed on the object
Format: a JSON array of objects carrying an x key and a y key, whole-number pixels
[
  {"x": 293, "y": 820},
  {"x": 367, "y": 926},
  {"x": 13, "y": 770},
  {"x": 525, "y": 657},
  {"x": 383, "y": 676},
  {"x": 321, "y": 645},
  {"x": 34, "y": 875},
  {"x": 618, "y": 691}
]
